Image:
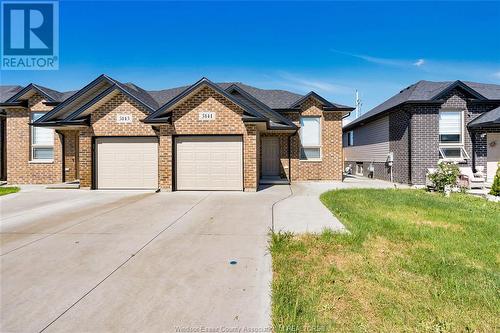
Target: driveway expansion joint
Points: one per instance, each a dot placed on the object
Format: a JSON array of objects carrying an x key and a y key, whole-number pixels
[{"x": 124, "y": 262}]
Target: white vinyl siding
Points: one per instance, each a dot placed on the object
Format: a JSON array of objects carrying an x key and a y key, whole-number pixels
[
  {"x": 370, "y": 142},
  {"x": 42, "y": 141},
  {"x": 310, "y": 138}
]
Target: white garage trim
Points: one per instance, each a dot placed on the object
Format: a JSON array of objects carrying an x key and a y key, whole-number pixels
[
  {"x": 126, "y": 162},
  {"x": 212, "y": 163}
]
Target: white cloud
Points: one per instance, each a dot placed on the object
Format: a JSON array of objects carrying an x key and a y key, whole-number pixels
[
  {"x": 306, "y": 84},
  {"x": 384, "y": 61},
  {"x": 497, "y": 75},
  {"x": 419, "y": 62}
]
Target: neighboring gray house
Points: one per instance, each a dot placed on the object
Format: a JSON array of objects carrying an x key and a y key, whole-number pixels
[{"x": 423, "y": 124}]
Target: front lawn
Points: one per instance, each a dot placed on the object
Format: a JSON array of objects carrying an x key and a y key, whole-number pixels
[
  {"x": 413, "y": 262},
  {"x": 8, "y": 190}
]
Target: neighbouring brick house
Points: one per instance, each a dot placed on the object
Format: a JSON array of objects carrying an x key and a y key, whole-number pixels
[
  {"x": 207, "y": 136},
  {"x": 423, "y": 124}
]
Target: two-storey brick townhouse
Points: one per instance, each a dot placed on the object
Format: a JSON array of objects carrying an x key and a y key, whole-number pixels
[
  {"x": 423, "y": 124},
  {"x": 207, "y": 136}
]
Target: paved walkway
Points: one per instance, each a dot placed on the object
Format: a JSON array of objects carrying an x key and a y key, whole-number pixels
[{"x": 303, "y": 211}]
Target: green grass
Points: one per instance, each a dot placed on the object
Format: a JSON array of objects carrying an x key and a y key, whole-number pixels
[
  {"x": 413, "y": 262},
  {"x": 8, "y": 190}
]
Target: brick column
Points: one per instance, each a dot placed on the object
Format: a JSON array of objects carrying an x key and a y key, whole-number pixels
[
  {"x": 165, "y": 158},
  {"x": 85, "y": 157},
  {"x": 250, "y": 158}
]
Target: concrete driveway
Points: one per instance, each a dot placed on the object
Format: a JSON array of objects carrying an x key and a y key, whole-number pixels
[
  {"x": 75, "y": 261},
  {"x": 113, "y": 261}
]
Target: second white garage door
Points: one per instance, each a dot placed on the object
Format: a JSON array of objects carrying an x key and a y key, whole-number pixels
[
  {"x": 209, "y": 163},
  {"x": 127, "y": 163}
]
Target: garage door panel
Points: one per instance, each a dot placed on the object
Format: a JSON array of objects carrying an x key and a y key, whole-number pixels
[
  {"x": 127, "y": 163},
  {"x": 209, "y": 163}
]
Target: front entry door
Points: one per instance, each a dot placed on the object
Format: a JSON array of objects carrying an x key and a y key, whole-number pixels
[
  {"x": 493, "y": 152},
  {"x": 270, "y": 156}
]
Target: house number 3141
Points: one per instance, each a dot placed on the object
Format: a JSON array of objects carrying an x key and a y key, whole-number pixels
[{"x": 207, "y": 115}]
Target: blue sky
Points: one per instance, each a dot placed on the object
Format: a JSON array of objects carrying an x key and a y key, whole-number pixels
[{"x": 332, "y": 48}]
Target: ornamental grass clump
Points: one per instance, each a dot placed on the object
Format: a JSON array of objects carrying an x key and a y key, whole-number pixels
[{"x": 445, "y": 177}]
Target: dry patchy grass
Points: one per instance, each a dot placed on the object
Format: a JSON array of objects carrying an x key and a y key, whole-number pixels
[{"x": 414, "y": 262}]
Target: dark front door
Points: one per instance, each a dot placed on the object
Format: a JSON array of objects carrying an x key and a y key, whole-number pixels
[{"x": 270, "y": 156}]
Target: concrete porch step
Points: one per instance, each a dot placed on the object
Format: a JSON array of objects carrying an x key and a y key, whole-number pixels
[
  {"x": 273, "y": 181},
  {"x": 64, "y": 186}
]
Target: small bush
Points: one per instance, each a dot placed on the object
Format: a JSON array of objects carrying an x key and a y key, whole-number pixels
[
  {"x": 495, "y": 188},
  {"x": 446, "y": 175}
]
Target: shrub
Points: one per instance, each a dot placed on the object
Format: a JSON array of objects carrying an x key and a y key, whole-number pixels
[
  {"x": 495, "y": 188},
  {"x": 446, "y": 175}
]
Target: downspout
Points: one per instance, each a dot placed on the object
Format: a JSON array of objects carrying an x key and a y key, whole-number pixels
[
  {"x": 409, "y": 150},
  {"x": 289, "y": 159},
  {"x": 63, "y": 153},
  {"x": 473, "y": 139}
]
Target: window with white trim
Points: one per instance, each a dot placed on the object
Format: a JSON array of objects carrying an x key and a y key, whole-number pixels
[
  {"x": 451, "y": 153},
  {"x": 42, "y": 141},
  {"x": 450, "y": 127},
  {"x": 310, "y": 138}
]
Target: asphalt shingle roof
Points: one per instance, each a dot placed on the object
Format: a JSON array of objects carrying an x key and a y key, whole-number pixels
[
  {"x": 425, "y": 91},
  {"x": 489, "y": 118},
  {"x": 7, "y": 92},
  {"x": 273, "y": 98}
]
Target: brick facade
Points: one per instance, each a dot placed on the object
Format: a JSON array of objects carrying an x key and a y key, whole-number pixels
[
  {"x": 103, "y": 123},
  {"x": 20, "y": 168},
  {"x": 79, "y": 153},
  {"x": 414, "y": 137},
  {"x": 331, "y": 165}
]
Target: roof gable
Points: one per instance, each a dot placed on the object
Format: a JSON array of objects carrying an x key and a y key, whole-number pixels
[
  {"x": 322, "y": 100},
  {"x": 102, "y": 98},
  {"x": 49, "y": 94},
  {"x": 262, "y": 108},
  {"x": 165, "y": 109},
  {"x": 429, "y": 92},
  {"x": 460, "y": 85},
  {"x": 104, "y": 86}
]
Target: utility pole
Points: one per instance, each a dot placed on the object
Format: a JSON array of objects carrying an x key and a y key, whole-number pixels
[{"x": 358, "y": 104}]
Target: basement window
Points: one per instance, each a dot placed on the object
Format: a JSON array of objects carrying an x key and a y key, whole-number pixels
[
  {"x": 453, "y": 154},
  {"x": 42, "y": 141}
]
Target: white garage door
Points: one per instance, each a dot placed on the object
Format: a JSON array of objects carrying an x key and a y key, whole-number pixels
[
  {"x": 209, "y": 163},
  {"x": 127, "y": 163}
]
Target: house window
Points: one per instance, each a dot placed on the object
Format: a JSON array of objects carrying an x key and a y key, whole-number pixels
[
  {"x": 359, "y": 168},
  {"x": 42, "y": 141},
  {"x": 453, "y": 153},
  {"x": 350, "y": 138},
  {"x": 310, "y": 138},
  {"x": 450, "y": 127},
  {"x": 451, "y": 136}
]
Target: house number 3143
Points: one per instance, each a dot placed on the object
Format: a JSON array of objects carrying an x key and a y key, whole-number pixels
[{"x": 123, "y": 118}]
